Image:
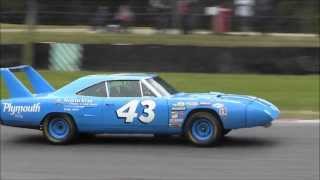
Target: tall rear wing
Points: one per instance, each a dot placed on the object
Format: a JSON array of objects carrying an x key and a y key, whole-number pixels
[{"x": 16, "y": 87}]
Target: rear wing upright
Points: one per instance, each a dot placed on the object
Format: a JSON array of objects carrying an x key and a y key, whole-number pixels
[{"x": 17, "y": 89}]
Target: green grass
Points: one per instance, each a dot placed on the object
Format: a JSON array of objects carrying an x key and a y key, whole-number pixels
[
  {"x": 296, "y": 96},
  {"x": 212, "y": 40}
]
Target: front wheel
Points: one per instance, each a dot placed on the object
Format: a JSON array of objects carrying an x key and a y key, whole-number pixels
[
  {"x": 203, "y": 129},
  {"x": 59, "y": 129}
]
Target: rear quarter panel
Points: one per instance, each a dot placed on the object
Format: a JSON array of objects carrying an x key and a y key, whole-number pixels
[
  {"x": 25, "y": 112},
  {"x": 29, "y": 112}
]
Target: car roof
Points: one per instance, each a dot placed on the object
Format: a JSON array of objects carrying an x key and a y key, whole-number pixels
[
  {"x": 90, "y": 80},
  {"x": 119, "y": 76}
]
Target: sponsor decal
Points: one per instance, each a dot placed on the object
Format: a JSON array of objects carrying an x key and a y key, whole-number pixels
[
  {"x": 77, "y": 101},
  {"x": 174, "y": 115},
  {"x": 222, "y": 110},
  {"x": 71, "y": 109},
  {"x": 17, "y": 109},
  {"x": 218, "y": 105},
  {"x": 192, "y": 103},
  {"x": 179, "y": 106},
  {"x": 176, "y": 119},
  {"x": 18, "y": 116},
  {"x": 205, "y": 103}
]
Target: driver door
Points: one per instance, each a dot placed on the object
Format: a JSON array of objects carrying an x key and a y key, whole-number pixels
[{"x": 135, "y": 109}]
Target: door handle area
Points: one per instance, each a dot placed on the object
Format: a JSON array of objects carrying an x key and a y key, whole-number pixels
[{"x": 109, "y": 104}]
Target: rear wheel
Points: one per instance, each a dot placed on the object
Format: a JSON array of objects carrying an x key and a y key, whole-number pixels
[
  {"x": 59, "y": 129},
  {"x": 203, "y": 129}
]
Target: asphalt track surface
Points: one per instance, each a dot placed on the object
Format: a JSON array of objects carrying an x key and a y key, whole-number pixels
[{"x": 284, "y": 151}]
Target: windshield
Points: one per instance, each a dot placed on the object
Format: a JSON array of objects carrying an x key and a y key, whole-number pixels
[{"x": 162, "y": 86}]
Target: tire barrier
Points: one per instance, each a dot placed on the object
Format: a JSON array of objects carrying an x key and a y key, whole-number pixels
[{"x": 65, "y": 57}]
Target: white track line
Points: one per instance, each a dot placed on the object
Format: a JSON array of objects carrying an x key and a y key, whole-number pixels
[{"x": 297, "y": 121}]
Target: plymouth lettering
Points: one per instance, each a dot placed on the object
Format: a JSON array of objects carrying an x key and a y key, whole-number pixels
[{"x": 17, "y": 109}]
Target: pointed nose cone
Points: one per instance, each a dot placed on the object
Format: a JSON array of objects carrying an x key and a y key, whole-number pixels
[{"x": 261, "y": 112}]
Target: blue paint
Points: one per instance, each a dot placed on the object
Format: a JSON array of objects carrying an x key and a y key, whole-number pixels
[{"x": 260, "y": 112}]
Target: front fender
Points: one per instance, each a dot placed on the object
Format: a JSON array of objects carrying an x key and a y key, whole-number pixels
[{"x": 231, "y": 115}]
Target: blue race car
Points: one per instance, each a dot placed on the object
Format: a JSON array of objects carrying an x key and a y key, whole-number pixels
[{"x": 127, "y": 103}]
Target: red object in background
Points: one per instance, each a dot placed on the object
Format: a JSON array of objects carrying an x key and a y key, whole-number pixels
[
  {"x": 183, "y": 7},
  {"x": 221, "y": 21}
]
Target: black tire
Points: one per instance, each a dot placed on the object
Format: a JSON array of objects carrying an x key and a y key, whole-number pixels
[
  {"x": 226, "y": 131},
  {"x": 213, "y": 138},
  {"x": 65, "y": 138}
]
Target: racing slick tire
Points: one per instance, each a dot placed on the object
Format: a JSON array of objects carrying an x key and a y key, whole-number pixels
[
  {"x": 59, "y": 129},
  {"x": 203, "y": 129}
]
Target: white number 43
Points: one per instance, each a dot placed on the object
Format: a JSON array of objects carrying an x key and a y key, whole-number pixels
[{"x": 128, "y": 111}]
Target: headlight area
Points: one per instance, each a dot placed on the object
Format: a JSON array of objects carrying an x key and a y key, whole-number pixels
[{"x": 261, "y": 113}]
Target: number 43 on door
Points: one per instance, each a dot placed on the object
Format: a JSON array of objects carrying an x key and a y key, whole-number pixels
[{"x": 128, "y": 111}]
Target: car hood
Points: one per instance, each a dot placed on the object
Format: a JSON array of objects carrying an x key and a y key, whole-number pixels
[{"x": 217, "y": 96}]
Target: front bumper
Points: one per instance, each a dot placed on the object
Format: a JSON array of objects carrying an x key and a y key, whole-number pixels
[{"x": 261, "y": 113}]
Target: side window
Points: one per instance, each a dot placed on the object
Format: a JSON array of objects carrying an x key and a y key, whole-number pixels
[
  {"x": 98, "y": 90},
  {"x": 124, "y": 89},
  {"x": 146, "y": 91}
]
